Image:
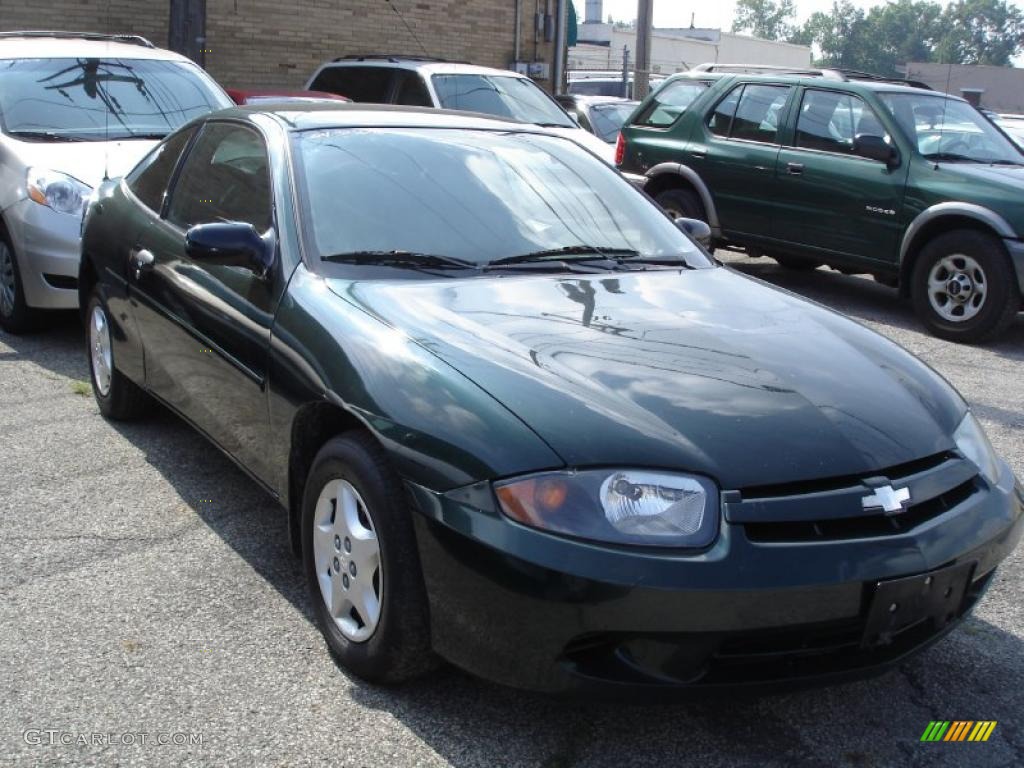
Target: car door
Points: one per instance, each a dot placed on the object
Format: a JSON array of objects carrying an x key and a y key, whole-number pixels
[
  {"x": 830, "y": 199},
  {"x": 206, "y": 328},
  {"x": 737, "y": 159}
]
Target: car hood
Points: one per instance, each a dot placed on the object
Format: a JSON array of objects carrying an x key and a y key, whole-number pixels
[
  {"x": 705, "y": 371},
  {"x": 589, "y": 141},
  {"x": 86, "y": 160},
  {"x": 1005, "y": 175}
]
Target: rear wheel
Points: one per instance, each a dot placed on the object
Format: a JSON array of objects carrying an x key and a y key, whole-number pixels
[
  {"x": 15, "y": 315},
  {"x": 801, "y": 263},
  {"x": 682, "y": 204},
  {"x": 963, "y": 286},
  {"x": 117, "y": 396}
]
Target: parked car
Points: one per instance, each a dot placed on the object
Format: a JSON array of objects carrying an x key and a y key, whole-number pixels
[
  {"x": 912, "y": 186},
  {"x": 75, "y": 109},
  {"x": 249, "y": 97},
  {"x": 605, "y": 83},
  {"x": 603, "y": 116},
  {"x": 534, "y": 429},
  {"x": 420, "y": 82}
]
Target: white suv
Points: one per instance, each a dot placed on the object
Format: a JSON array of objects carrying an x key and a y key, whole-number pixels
[
  {"x": 75, "y": 109},
  {"x": 420, "y": 82}
]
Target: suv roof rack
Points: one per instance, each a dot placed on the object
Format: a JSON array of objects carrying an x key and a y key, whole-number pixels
[
  {"x": 394, "y": 58},
  {"x": 843, "y": 75},
  {"x": 33, "y": 33}
]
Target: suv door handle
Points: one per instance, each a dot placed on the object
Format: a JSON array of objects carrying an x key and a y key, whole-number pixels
[
  {"x": 699, "y": 154},
  {"x": 795, "y": 169},
  {"x": 141, "y": 261}
]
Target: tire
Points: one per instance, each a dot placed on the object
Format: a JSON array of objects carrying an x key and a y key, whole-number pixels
[
  {"x": 365, "y": 558},
  {"x": 799, "y": 263},
  {"x": 15, "y": 315},
  {"x": 682, "y": 203},
  {"x": 964, "y": 287},
  {"x": 118, "y": 398}
]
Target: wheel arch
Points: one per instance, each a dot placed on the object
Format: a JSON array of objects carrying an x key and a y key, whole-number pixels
[
  {"x": 942, "y": 218},
  {"x": 677, "y": 176}
]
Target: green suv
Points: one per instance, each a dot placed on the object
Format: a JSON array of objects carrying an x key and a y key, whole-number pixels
[{"x": 914, "y": 187}]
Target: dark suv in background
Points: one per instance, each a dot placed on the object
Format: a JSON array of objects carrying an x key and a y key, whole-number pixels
[{"x": 866, "y": 175}]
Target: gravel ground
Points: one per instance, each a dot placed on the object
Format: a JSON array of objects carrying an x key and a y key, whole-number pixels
[{"x": 146, "y": 588}]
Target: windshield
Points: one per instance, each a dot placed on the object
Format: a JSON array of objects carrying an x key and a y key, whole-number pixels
[
  {"x": 510, "y": 97},
  {"x": 608, "y": 119},
  {"x": 101, "y": 99},
  {"x": 472, "y": 196},
  {"x": 949, "y": 129}
]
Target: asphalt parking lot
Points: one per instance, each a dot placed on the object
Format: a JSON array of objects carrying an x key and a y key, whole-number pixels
[{"x": 146, "y": 587}]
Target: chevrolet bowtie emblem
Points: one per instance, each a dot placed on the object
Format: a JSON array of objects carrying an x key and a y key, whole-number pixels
[{"x": 888, "y": 499}]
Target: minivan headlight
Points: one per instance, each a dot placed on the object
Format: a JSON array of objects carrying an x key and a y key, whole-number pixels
[
  {"x": 56, "y": 190},
  {"x": 626, "y": 506},
  {"x": 973, "y": 443}
]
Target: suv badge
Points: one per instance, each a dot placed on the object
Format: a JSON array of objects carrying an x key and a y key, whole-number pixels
[{"x": 890, "y": 500}]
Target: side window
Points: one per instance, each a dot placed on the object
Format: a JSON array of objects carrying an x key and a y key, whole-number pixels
[
  {"x": 368, "y": 84},
  {"x": 412, "y": 91},
  {"x": 720, "y": 121},
  {"x": 830, "y": 121},
  {"x": 759, "y": 113},
  {"x": 149, "y": 180},
  {"x": 225, "y": 178},
  {"x": 668, "y": 104}
]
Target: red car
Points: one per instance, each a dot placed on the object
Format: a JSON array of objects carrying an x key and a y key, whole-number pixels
[{"x": 259, "y": 97}]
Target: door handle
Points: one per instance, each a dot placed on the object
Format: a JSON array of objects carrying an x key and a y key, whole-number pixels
[
  {"x": 141, "y": 261},
  {"x": 699, "y": 154},
  {"x": 795, "y": 169}
]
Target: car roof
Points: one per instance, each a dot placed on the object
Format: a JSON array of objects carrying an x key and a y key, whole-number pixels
[
  {"x": 585, "y": 98},
  {"x": 296, "y": 116},
  {"x": 430, "y": 67},
  {"x": 69, "y": 45}
]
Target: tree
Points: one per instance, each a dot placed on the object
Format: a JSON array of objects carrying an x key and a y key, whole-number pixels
[
  {"x": 980, "y": 32},
  {"x": 767, "y": 19}
]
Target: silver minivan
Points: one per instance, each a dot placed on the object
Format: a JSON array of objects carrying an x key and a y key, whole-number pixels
[{"x": 75, "y": 109}]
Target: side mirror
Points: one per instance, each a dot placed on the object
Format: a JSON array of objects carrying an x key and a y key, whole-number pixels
[
  {"x": 876, "y": 148},
  {"x": 231, "y": 244},
  {"x": 697, "y": 229}
]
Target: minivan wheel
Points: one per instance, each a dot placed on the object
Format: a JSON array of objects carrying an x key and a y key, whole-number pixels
[
  {"x": 15, "y": 315},
  {"x": 963, "y": 286},
  {"x": 682, "y": 204},
  {"x": 117, "y": 396},
  {"x": 362, "y": 565}
]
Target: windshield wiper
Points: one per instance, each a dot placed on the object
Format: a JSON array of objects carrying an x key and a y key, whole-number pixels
[
  {"x": 399, "y": 259},
  {"x": 568, "y": 253},
  {"x": 952, "y": 157},
  {"x": 44, "y": 136}
]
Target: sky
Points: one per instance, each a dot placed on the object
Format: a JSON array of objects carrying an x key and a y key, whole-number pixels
[{"x": 717, "y": 14}]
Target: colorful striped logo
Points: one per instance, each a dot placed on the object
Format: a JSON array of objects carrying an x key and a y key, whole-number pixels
[{"x": 958, "y": 730}]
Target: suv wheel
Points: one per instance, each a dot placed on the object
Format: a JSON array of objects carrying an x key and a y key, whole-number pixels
[
  {"x": 15, "y": 315},
  {"x": 361, "y": 562},
  {"x": 682, "y": 204},
  {"x": 964, "y": 287}
]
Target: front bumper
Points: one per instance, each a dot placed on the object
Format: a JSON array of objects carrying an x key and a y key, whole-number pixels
[
  {"x": 47, "y": 246},
  {"x": 531, "y": 610},
  {"x": 1016, "y": 250}
]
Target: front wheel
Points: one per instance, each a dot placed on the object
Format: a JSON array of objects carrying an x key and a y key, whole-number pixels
[
  {"x": 117, "y": 396},
  {"x": 964, "y": 288},
  {"x": 15, "y": 315},
  {"x": 361, "y": 562}
]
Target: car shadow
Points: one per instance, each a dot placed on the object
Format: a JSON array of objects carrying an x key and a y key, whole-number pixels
[{"x": 58, "y": 346}]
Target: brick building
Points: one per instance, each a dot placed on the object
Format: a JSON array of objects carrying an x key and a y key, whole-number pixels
[{"x": 276, "y": 43}]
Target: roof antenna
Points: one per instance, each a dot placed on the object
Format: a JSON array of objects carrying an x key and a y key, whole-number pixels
[
  {"x": 398, "y": 13},
  {"x": 942, "y": 125},
  {"x": 106, "y": 112}
]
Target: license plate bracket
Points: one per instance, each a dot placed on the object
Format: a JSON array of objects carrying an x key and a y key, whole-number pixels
[{"x": 900, "y": 604}]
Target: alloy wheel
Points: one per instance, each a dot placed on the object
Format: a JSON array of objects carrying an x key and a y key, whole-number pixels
[
  {"x": 99, "y": 349},
  {"x": 957, "y": 287},
  {"x": 346, "y": 554},
  {"x": 8, "y": 286}
]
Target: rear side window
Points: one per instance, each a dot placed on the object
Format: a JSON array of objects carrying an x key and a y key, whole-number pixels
[
  {"x": 149, "y": 180},
  {"x": 368, "y": 84},
  {"x": 720, "y": 120},
  {"x": 668, "y": 104},
  {"x": 759, "y": 113}
]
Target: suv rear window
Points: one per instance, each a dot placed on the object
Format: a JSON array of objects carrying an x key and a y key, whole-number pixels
[
  {"x": 367, "y": 84},
  {"x": 668, "y": 104}
]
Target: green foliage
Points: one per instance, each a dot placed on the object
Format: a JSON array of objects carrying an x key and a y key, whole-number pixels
[{"x": 765, "y": 18}]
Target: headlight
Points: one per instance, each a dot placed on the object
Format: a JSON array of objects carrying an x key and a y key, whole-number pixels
[
  {"x": 973, "y": 443},
  {"x": 619, "y": 506},
  {"x": 56, "y": 190}
]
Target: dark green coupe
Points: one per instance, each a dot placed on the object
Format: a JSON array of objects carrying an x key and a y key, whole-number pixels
[{"x": 519, "y": 420}]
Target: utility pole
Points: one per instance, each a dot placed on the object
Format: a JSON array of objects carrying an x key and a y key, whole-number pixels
[
  {"x": 625, "y": 72},
  {"x": 644, "y": 29}
]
